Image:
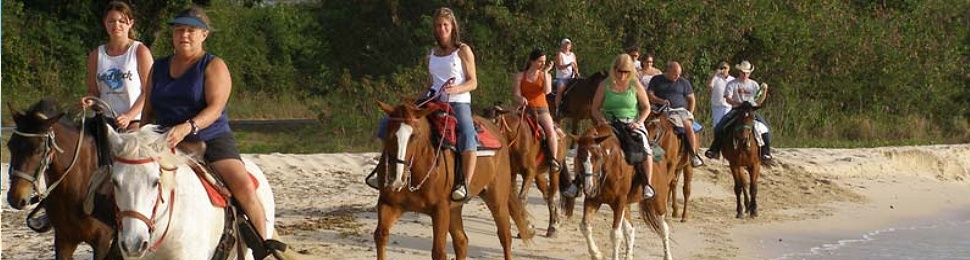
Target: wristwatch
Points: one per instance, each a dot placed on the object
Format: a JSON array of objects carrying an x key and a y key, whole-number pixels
[{"x": 195, "y": 127}]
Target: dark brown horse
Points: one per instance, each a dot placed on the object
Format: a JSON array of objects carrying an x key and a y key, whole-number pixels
[
  {"x": 676, "y": 158},
  {"x": 528, "y": 158},
  {"x": 741, "y": 151},
  {"x": 43, "y": 147},
  {"x": 418, "y": 178},
  {"x": 608, "y": 179},
  {"x": 577, "y": 101}
]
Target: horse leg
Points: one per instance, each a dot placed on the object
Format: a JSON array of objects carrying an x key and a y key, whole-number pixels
[
  {"x": 629, "y": 232},
  {"x": 672, "y": 189},
  {"x": 101, "y": 244},
  {"x": 64, "y": 250},
  {"x": 589, "y": 208},
  {"x": 688, "y": 176},
  {"x": 439, "y": 239},
  {"x": 616, "y": 231},
  {"x": 457, "y": 230},
  {"x": 666, "y": 238},
  {"x": 753, "y": 177},
  {"x": 499, "y": 206},
  {"x": 738, "y": 187},
  {"x": 386, "y": 216},
  {"x": 530, "y": 176},
  {"x": 550, "y": 193}
]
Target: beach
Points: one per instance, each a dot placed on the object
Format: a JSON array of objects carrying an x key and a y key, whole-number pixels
[{"x": 809, "y": 197}]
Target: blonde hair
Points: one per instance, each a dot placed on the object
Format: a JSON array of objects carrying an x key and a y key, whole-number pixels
[
  {"x": 622, "y": 62},
  {"x": 450, "y": 15}
]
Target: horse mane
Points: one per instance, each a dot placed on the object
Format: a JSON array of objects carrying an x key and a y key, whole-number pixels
[{"x": 148, "y": 142}]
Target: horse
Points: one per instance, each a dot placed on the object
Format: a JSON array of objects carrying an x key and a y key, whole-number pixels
[
  {"x": 742, "y": 152},
  {"x": 47, "y": 149},
  {"x": 608, "y": 179},
  {"x": 676, "y": 158},
  {"x": 164, "y": 209},
  {"x": 426, "y": 187},
  {"x": 577, "y": 101},
  {"x": 528, "y": 158}
]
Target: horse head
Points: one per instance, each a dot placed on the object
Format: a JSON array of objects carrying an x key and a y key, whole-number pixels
[
  {"x": 142, "y": 175},
  {"x": 744, "y": 128},
  {"x": 32, "y": 146},
  {"x": 591, "y": 156},
  {"x": 494, "y": 112},
  {"x": 407, "y": 131}
]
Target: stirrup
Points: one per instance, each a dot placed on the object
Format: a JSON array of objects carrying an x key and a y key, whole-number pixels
[{"x": 371, "y": 180}]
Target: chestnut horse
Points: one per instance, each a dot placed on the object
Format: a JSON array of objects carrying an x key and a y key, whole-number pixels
[
  {"x": 418, "y": 178},
  {"x": 577, "y": 101},
  {"x": 741, "y": 152},
  {"x": 676, "y": 158},
  {"x": 43, "y": 146},
  {"x": 528, "y": 158},
  {"x": 608, "y": 179}
]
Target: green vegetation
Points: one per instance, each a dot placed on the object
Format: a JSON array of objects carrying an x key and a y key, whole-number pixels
[{"x": 843, "y": 73}]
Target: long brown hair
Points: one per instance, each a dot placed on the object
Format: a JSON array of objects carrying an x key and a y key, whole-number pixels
[
  {"x": 125, "y": 10},
  {"x": 455, "y": 36}
]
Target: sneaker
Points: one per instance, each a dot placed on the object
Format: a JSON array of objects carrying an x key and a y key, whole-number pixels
[
  {"x": 572, "y": 191},
  {"x": 766, "y": 158},
  {"x": 648, "y": 191},
  {"x": 696, "y": 161},
  {"x": 712, "y": 154},
  {"x": 459, "y": 193},
  {"x": 554, "y": 166}
]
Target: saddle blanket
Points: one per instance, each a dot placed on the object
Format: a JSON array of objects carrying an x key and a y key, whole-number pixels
[
  {"x": 216, "y": 197},
  {"x": 487, "y": 144}
]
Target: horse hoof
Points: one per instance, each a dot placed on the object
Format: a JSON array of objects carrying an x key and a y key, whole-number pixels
[
  {"x": 551, "y": 233},
  {"x": 740, "y": 215},
  {"x": 683, "y": 220}
]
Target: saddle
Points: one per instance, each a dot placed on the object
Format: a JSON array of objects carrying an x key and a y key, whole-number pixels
[
  {"x": 630, "y": 143},
  {"x": 444, "y": 129}
]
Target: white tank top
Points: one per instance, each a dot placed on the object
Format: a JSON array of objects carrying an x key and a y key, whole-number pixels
[
  {"x": 443, "y": 68},
  {"x": 568, "y": 71},
  {"x": 117, "y": 78}
]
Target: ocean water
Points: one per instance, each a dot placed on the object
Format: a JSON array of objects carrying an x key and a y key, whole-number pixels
[{"x": 943, "y": 238}]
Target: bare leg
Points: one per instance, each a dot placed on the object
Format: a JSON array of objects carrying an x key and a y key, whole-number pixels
[{"x": 237, "y": 178}]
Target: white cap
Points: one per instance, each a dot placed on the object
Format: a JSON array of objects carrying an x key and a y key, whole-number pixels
[{"x": 565, "y": 41}]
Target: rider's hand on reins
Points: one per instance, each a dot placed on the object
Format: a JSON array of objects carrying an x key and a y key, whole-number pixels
[{"x": 177, "y": 133}]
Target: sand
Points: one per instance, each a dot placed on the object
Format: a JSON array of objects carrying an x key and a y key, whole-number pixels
[{"x": 324, "y": 210}]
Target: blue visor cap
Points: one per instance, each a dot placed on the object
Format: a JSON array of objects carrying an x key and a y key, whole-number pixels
[{"x": 190, "y": 21}]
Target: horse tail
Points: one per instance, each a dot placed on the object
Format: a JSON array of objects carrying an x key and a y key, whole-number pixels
[
  {"x": 519, "y": 215},
  {"x": 650, "y": 217}
]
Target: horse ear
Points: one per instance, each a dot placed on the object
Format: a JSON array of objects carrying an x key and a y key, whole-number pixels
[
  {"x": 114, "y": 139},
  {"x": 49, "y": 121},
  {"x": 424, "y": 112},
  {"x": 388, "y": 109},
  {"x": 573, "y": 137},
  {"x": 601, "y": 138},
  {"x": 14, "y": 111}
]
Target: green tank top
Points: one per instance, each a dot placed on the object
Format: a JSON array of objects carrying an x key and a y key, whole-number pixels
[{"x": 620, "y": 105}]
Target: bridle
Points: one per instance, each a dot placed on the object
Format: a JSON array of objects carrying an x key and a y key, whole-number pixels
[
  {"x": 41, "y": 190},
  {"x": 150, "y": 222},
  {"x": 600, "y": 175},
  {"x": 744, "y": 126}
]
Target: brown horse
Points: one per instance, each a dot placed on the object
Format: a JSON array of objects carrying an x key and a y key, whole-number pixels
[
  {"x": 45, "y": 147},
  {"x": 528, "y": 158},
  {"x": 577, "y": 101},
  {"x": 608, "y": 179},
  {"x": 418, "y": 178},
  {"x": 676, "y": 158},
  {"x": 741, "y": 151}
]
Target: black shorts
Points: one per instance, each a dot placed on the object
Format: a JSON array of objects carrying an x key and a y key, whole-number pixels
[{"x": 222, "y": 147}]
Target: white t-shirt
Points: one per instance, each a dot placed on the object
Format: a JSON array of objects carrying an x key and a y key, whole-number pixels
[
  {"x": 443, "y": 68},
  {"x": 741, "y": 91},
  {"x": 568, "y": 71},
  {"x": 117, "y": 78},
  {"x": 717, "y": 91}
]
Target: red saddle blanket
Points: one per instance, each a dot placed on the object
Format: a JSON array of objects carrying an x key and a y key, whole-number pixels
[
  {"x": 486, "y": 140},
  {"x": 219, "y": 196}
]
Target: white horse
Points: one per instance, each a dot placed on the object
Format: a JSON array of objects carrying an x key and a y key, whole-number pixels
[{"x": 165, "y": 212}]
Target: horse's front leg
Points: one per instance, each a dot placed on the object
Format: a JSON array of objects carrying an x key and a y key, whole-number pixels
[
  {"x": 589, "y": 208},
  {"x": 63, "y": 249},
  {"x": 101, "y": 244},
  {"x": 550, "y": 193},
  {"x": 672, "y": 189},
  {"x": 617, "y": 233},
  {"x": 688, "y": 177},
  {"x": 738, "y": 188},
  {"x": 440, "y": 218},
  {"x": 629, "y": 232},
  {"x": 665, "y": 230},
  {"x": 459, "y": 240},
  {"x": 386, "y": 216},
  {"x": 753, "y": 178}
]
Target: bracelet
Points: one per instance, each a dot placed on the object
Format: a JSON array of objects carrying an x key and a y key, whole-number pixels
[{"x": 195, "y": 127}]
